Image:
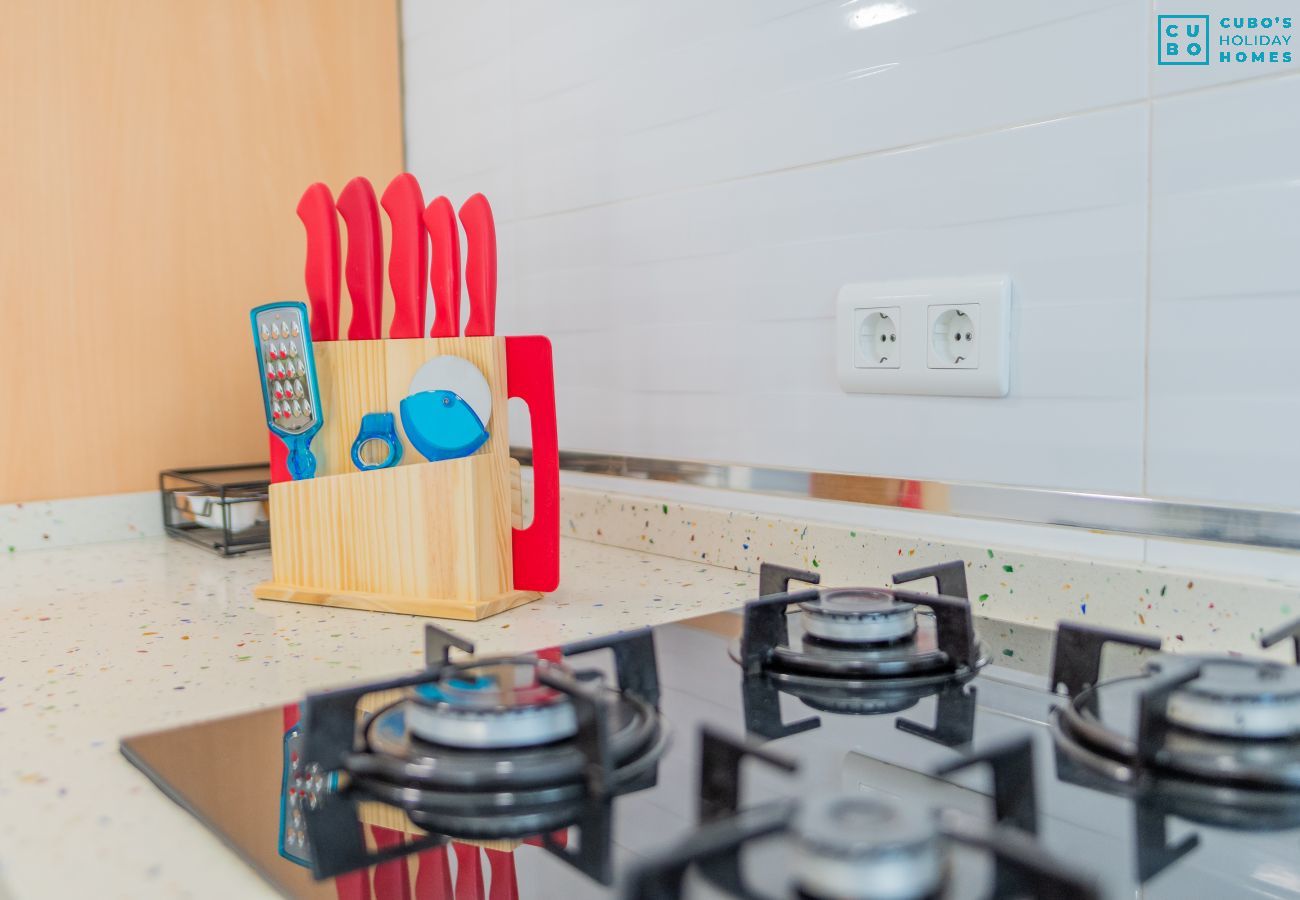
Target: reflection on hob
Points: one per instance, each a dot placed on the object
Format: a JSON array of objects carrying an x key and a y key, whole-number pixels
[
  {"x": 840, "y": 845},
  {"x": 526, "y": 749},
  {"x": 428, "y": 875},
  {"x": 1213, "y": 740},
  {"x": 863, "y": 651},
  {"x": 542, "y": 775}
]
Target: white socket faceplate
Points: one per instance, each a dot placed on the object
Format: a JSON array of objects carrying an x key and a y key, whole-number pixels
[{"x": 953, "y": 337}]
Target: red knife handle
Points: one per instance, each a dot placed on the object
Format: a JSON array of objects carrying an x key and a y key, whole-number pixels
[
  {"x": 408, "y": 257},
  {"x": 433, "y": 875},
  {"x": 535, "y": 550},
  {"x": 504, "y": 884},
  {"x": 353, "y": 885},
  {"x": 365, "y": 262},
  {"x": 392, "y": 878},
  {"x": 444, "y": 273},
  {"x": 469, "y": 872},
  {"x": 316, "y": 209},
  {"x": 480, "y": 266}
]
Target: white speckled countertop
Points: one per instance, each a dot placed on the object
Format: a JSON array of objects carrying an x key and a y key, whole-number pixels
[{"x": 106, "y": 640}]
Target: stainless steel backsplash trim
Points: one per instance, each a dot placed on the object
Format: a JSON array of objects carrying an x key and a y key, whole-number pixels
[{"x": 1109, "y": 513}]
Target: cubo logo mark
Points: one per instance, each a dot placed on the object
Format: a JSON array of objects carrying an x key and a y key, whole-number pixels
[{"x": 1183, "y": 40}]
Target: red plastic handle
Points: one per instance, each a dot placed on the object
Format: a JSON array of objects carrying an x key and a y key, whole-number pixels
[
  {"x": 353, "y": 885},
  {"x": 408, "y": 257},
  {"x": 530, "y": 376},
  {"x": 469, "y": 872},
  {"x": 392, "y": 878},
  {"x": 433, "y": 875},
  {"x": 279, "y": 458},
  {"x": 504, "y": 884},
  {"x": 444, "y": 273},
  {"x": 365, "y": 263},
  {"x": 316, "y": 209},
  {"x": 480, "y": 266}
]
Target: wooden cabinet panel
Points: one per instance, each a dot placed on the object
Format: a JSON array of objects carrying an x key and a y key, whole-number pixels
[{"x": 153, "y": 157}]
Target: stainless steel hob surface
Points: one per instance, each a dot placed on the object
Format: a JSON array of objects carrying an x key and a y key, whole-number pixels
[{"x": 948, "y": 750}]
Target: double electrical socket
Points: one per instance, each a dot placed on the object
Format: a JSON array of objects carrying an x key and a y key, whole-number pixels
[{"x": 947, "y": 336}]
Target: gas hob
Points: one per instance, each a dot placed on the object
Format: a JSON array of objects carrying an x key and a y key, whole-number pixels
[{"x": 820, "y": 742}]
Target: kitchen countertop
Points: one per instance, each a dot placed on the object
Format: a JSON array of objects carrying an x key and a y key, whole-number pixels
[{"x": 107, "y": 640}]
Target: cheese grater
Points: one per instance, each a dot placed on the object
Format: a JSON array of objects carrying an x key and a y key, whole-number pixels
[{"x": 287, "y": 368}]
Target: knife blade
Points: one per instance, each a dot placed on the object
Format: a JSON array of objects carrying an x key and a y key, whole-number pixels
[
  {"x": 444, "y": 271},
  {"x": 316, "y": 210},
  {"x": 480, "y": 265},
  {"x": 365, "y": 260},
  {"x": 408, "y": 256}
]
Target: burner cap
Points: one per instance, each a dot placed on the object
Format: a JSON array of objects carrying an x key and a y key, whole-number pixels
[
  {"x": 863, "y": 848},
  {"x": 491, "y": 705},
  {"x": 1240, "y": 699},
  {"x": 858, "y": 616}
]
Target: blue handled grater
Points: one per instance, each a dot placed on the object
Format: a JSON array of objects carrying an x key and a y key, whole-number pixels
[{"x": 287, "y": 367}]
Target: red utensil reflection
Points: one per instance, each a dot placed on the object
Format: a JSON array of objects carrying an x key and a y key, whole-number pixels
[
  {"x": 433, "y": 877},
  {"x": 392, "y": 879}
]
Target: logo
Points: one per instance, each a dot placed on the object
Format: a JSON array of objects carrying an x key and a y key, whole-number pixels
[
  {"x": 1183, "y": 40},
  {"x": 1237, "y": 40}
]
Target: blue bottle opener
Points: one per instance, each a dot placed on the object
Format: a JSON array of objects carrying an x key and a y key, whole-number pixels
[
  {"x": 380, "y": 427},
  {"x": 286, "y": 365}
]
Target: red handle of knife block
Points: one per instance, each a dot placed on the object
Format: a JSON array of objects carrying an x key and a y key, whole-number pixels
[
  {"x": 408, "y": 256},
  {"x": 530, "y": 376},
  {"x": 480, "y": 266},
  {"x": 363, "y": 269},
  {"x": 279, "y": 458}
]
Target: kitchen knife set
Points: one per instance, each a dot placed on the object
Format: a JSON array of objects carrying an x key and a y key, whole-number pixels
[
  {"x": 447, "y": 411},
  {"x": 416, "y": 518}
]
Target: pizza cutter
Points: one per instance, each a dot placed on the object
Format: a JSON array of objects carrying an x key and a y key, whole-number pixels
[{"x": 447, "y": 409}]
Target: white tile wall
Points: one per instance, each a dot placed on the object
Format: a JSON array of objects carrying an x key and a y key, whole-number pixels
[
  {"x": 1224, "y": 414},
  {"x": 682, "y": 187}
]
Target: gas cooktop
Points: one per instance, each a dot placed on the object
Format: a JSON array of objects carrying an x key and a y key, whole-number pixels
[{"x": 819, "y": 742}]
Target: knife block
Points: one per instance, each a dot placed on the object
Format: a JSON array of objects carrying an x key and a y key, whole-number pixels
[{"x": 424, "y": 538}]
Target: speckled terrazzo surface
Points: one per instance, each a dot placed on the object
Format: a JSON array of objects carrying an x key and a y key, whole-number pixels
[
  {"x": 1188, "y": 610},
  {"x": 111, "y": 639},
  {"x": 41, "y": 525},
  {"x": 106, "y": 640}
]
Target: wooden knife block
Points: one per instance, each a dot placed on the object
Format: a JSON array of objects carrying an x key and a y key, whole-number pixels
[{"x": 426, "y": 538}]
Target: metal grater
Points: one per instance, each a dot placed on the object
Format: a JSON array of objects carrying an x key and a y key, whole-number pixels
[
  {"x": 301, "y": 787},
  {"x": 287, "y": 368}
]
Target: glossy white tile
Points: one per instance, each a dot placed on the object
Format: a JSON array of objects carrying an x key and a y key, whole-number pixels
[
  {"x": 715, "y": 306},
  {"x": 683, "y": 188},
  {"x": 1224, "y": 413},
  {"x": 732, "y": 96}
]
